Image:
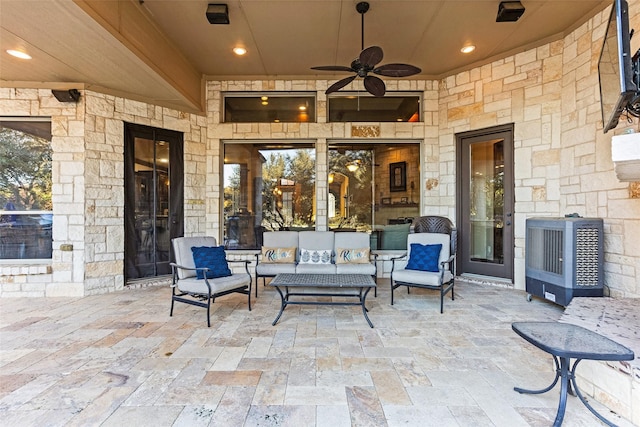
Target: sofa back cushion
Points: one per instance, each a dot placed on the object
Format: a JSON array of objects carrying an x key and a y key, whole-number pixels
[
  {"x": 352, "y": 240},
  {"x": 318, "y": 240}
]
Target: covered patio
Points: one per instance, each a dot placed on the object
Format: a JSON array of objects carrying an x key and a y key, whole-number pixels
[{"x": 119, "y": 359}]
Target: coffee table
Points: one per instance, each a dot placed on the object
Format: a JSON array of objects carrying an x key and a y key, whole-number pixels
[
  {"x": 565, "y": 341},
  {"x": 323, "y": 285}
]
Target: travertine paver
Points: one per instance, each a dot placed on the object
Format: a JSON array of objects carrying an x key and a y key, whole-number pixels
[{"x": 119, "y": 359}]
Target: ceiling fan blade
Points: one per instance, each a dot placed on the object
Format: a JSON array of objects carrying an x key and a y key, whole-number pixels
[
  {"x": 397, "y": 70},
  {"x": 340, "y": 84},
  {"x": 371, "y": 56},
  {"x": 374, "y": 86},
  {"x": 332, "y": 68}
]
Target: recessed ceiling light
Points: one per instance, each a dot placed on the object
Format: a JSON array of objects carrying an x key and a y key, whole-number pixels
[
  {"x": 239, "y": 51},
  {"x": 468, "y": 49},
  {"x": 302, "y": 108},
  {"x": 18, "y": 54}
]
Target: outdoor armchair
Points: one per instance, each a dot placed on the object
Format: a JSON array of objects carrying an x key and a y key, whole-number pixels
[
  {"x": 201, "y": 274},
  {"x": 428, "y": 264}
]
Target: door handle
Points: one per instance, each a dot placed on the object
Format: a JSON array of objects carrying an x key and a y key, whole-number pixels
[{"x": 508, "y": 216}]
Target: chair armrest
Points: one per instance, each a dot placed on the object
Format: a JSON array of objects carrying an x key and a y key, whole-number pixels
[
  {"x": 404, "y": 255},
  {"x": 246, "y": 263},
  {"x": 397, "y": 258},
  {"x": 447, "y": 261},
  {"x": 174, "y": 265}
]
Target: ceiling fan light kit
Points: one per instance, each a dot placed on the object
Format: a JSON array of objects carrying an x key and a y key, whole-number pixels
[
  {"x": 366, "y": 63},
  {"x": 509, "y": 11}
]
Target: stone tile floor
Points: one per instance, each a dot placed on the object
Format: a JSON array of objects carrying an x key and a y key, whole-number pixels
[{"x": 120, "y": 360}]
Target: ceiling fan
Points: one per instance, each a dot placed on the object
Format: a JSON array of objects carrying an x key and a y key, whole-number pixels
[{"x": 366, "y": 63}]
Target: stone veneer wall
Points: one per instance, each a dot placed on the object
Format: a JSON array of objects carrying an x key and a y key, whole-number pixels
[
  {"x": 88, "y": 188},
  {"x": 320, "y": 133},
  {"x": 64, "y": 274},
  {"x": 562, "y": 158}
]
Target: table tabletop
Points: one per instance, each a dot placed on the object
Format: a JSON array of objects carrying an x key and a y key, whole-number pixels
[
  {"x": 571, "y": 341},
  {"x": 324, "y": 280}
]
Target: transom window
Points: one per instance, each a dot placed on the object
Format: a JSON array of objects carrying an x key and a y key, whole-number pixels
[
  {"x": 358, "y": 107},
  {"x": 269, "y": 107}
]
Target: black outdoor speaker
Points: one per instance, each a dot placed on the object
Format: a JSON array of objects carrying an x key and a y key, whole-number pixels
[
  {"x": 71, "y": 95},
  {"x": 218, "y": 14},
  {"x": 509, "y": 11}
]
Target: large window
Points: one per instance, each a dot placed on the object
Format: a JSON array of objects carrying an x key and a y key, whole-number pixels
[
  {"x": 267, "y": 187},
  {"x": 25, "y": 188},
  {"x": 373, "y": 185},
  {"x": 272, "y": 186}
]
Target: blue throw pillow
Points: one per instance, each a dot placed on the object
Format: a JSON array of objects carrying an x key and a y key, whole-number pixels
[
  {"x": 213, "y": 258},
  {"x": 424, "y": 257}
]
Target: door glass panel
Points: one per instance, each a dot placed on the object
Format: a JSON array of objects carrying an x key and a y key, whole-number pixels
[
  {"x": 152, "y": 206},
  {"x": 486, "y": 196}
]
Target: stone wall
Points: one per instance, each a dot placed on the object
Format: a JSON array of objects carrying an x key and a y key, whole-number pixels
[
  {"x": 64, "y": 274},
  {"x": 320, "y": 133},
  {"x": 88, "y": 188},
  {"x": 562, "y": 158}
]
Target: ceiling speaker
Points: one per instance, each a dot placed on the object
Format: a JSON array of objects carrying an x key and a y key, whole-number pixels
[
  {"x": 218, "y": 14},
  {"x": 71, "y": 95},
  {"x": 509, "y": 11}
]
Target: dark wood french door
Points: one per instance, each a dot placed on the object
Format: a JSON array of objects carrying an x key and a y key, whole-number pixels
[
  {"x": 153, "y": 199},
  {"x": 485, "y": 198}
]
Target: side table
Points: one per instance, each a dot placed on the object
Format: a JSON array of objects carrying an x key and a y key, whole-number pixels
[{"x": 565, "y": 341}]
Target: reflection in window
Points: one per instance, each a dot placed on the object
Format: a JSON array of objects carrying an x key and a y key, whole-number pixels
[
  {"x": 267, "y": 188},
  {"x": 362, "y": 192},
  {"x": 25, "y": 189},
  {"x": 350, "y": 188},
  {"x": 270, "y": 187},
  {"x": 269, "y": 108},
  {"x": 366, "y": 108}
]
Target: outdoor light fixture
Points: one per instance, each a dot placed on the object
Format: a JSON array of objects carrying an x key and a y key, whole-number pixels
[
  {"x": 218, "y": 14},
  {"x": 18, "y": 54},
  {"x": 468, "y": 48},
  {"x": 71, "y": 95},
  {"x": 509, "y": 11},
  {"x": 353, "y": 166}
]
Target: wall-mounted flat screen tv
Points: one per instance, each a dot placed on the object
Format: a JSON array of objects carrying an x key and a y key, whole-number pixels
[{"x": 618, "y": 86}]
